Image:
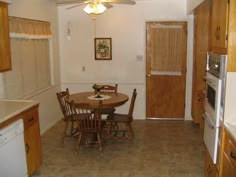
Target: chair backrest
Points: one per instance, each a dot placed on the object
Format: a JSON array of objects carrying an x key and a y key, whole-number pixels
[
  {"x": 88, "y": 116},
  {"x": 109, "y": 88},
  {"x": 61, "y": 99},
  {"x": 131, "y": 107}
]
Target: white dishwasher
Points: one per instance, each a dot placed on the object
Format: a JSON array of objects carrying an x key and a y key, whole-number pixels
[{"x": 12, "y": 151}]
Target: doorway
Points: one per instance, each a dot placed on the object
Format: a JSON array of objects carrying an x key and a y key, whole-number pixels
[{"x": 166, "y": 44}]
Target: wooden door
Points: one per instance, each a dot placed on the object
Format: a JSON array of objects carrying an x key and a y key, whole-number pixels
[
  {"x": 166, "y": 69},
  {"x": 219, "y": 25}
]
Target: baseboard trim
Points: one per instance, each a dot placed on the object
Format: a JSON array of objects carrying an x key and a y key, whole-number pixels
[{"x": 156, "y": 118}]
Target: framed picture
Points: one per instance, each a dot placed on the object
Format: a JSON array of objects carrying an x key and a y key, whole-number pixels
[{"x": 103, "y": 50}]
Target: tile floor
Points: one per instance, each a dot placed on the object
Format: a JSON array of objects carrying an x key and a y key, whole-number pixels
[{"x": 161, "y": 149}]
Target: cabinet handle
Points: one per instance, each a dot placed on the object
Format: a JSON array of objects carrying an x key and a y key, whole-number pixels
[
  {"x": 217, "y": 33},
  {"x": 31, "y": 119},
  {"x": 27, "y": 148},
  {"x": 232, "y": 155}
]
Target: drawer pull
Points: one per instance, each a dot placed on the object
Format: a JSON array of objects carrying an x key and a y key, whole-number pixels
[
  {"x": 31, "y": 119},
  {"x": 232, "y": 155}
]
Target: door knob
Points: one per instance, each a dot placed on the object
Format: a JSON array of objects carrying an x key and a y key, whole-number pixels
[{"x": 148, "y": 75}]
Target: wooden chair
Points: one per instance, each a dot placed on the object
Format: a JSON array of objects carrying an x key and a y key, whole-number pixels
[
  {"x": 125, "y": 132},
  {"x": 108, "y": 89},
  {"x": 67, "y": 115},
  {"x": 89, "y": 124}
]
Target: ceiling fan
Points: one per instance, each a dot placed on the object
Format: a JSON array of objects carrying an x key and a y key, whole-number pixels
[{"x": 94, "y": 6}]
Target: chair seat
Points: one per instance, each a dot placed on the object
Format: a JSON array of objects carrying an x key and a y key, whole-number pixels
[
  {"x": 108, "y": 111},
  {"x": 119, "y": 118}
]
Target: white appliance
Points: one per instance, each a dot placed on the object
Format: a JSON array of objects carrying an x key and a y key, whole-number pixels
[
  {"x": 12, "y": 151},
  {"x": 214, "y": 102}
]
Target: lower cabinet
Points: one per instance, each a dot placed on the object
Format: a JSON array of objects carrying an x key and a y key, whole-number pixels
[
  {"x": 228, "y": 169},
  {"x": 32, "y": 141},
  {"x": 229, "y": 157},
  {"x": 31, "y": 136},
  {"x": 210, "y": 168}
]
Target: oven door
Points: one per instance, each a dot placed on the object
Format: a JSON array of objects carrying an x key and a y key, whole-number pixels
[
  {"x": 210, "y": 137},
  {"x": 213, "y": 97}
]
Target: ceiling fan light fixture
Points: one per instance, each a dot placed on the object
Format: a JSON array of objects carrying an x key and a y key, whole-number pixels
[{"x": 94, "y": 8}]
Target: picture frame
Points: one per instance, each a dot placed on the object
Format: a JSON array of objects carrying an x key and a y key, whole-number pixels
[{"x": 103, "y": 48}]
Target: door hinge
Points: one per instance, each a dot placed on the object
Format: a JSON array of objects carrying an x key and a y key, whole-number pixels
[
  {"x": 226, "y": 37},
  {"x": 228, "y": 1}
]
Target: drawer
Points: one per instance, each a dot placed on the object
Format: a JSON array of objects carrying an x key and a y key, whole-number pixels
[{"x": 30, "y": 118}]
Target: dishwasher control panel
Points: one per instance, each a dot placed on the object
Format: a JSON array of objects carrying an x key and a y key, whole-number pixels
[{"x": 11, "y": 131}]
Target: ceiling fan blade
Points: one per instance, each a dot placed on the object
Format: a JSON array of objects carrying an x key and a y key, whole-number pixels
[
  {"x": 107, "y": 5},
  {"x": 79, "y": 4},
  {"x": 67, "y": 2},
  {"x": 128, "y": 2}
]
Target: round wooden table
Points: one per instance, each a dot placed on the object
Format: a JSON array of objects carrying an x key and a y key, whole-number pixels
[{"x": 109, "y": 100}]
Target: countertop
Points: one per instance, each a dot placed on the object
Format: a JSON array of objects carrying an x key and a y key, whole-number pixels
[
  {"x": 10, "y": 108},
  {"x": 231, "y": 128}
]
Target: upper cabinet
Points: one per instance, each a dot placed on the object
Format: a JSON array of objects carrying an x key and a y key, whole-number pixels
[
  {"x": 5, "y": 57},
  {"x": 219, "y": 25}
]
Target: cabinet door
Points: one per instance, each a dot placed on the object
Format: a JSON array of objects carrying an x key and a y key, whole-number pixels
[
  {"x": 210, "y": 168},
  {"x": 201, "y": 46},
  {"x": 5, "y": 59},
  {"x": 33, "y": 144},
  {"x": 228, "y": 170},
  {"x": 219, "y": 25}
]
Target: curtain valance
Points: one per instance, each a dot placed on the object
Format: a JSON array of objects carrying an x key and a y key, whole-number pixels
[{"x": 29, "y": 29}]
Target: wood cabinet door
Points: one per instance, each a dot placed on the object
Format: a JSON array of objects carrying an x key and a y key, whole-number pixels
[
  {"x": 5, "y": 58},
  {"x": 228, "y": 170},
  {"x": 219, "y": 25},
  {"x": 201, "y": 47},
  {"x": 210, "y": 168},
  {"x": 33, "y": 147}
]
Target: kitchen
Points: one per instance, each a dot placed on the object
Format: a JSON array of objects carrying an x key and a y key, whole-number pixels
[{"x": 47, "y": 98}]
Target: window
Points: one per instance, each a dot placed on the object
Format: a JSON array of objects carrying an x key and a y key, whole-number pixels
[{"x": 30, "y": 54}]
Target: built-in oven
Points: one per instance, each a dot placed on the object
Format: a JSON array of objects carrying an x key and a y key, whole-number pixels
[
  {"x": 214, "y": 101},
  {"x": 213, "y": 98}
]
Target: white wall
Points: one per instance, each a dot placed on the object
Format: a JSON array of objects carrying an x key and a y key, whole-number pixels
[
  {"x": 46, "y": 10},
  {"x": 8, "y": 1},
  {"x": 191, "y": 4},
  {"x": 230, "y": 95},
  {"x": 126, "y": 26}
]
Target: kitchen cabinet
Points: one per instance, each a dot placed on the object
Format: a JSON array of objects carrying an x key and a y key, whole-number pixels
[
  {"x": 219, "y": 25},
  {"x": 32, "y": 141},
  {"x": 201, "y": 46},
  {"x": 210, "y": 168},
  {"x": 31, "y": 132},
  {"x": 5, "y": 56},
  {"x": 223, "y": 30},
  {"x": 229, "y": 156}
]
